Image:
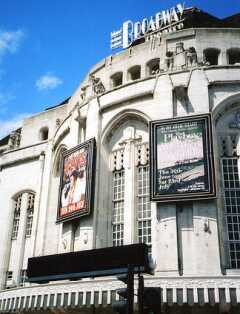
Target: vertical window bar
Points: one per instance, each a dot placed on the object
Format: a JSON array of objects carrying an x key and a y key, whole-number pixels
[
  {"x": 143, "y": 205},
  {"x": 118, "y": 207},
  {"x": 232, "y": 207},
  {"x": 16, "y": 218},
  {"x": 30, "y": 211}
]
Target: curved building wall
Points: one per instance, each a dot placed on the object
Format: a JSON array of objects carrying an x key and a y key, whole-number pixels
[{"x": 196, "y": 244}]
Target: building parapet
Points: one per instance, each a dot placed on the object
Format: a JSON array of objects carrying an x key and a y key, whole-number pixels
[{"x": 102, "y": 292}]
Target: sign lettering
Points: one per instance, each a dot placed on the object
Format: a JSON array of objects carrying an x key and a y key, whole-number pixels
[{"x": 165, "y": 21}]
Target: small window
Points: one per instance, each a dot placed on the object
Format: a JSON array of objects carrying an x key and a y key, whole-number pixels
[
  {"x": 233, "y": 56},
  {"x": 9, "y": 278},
  {"x": 117, "y": 79},
  {"x": 211, "y": 56},
  {"x": 16, "y": 218},
  {"x": 153, "y": 67},
  {"x": 44, "y": 133},
  {"x": 134, "y": 73},
  {"x": 9, "y": 275}
]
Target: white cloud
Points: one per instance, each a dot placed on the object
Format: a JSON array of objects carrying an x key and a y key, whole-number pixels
[
  {"x": 48, "y": 81},
  {"x": 10, "y": 125},
  {"x": 10, "y": 41}
]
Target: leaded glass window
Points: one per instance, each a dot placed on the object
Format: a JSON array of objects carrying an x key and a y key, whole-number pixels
[
  {"x": 143, "y": 205},
  {"x": 30, "y": 211},
  {"x": 16, "y": 218},
  {"x": 232, "y": 207},
  {"x": 118, "y": 207}
]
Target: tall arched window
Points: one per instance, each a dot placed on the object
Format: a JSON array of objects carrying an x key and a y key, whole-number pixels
[
  {"x": 16, "y": 217},
  {"x": 20, "y": 207},
  {"x": 22, "y": 225},
  {"x": 228, "y": 140},
  {"x": 130, "y": 204}
]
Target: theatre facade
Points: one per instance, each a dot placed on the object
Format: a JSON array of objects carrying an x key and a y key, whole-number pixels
[{"x": 146, "y": 150}]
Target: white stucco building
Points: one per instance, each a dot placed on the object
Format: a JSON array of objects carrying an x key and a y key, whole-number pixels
[{"x": 196, "y": 244}]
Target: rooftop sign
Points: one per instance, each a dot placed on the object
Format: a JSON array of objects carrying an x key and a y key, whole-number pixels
[{"x": 164, "y": 21}]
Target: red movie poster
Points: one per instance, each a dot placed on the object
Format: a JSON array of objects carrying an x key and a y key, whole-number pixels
[{"x": 75, "y": 182}]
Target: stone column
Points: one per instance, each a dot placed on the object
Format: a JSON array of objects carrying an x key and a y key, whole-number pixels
[
  {"x": 154, "y": 230},
  {"x": 86, "y": 233},
  {"x": 40, "y": 241},
  {"x": 166, "y": 249},
  {"x": 6, "y": 217},
  {"x": 129, "y": 208},
  {"x": 37, "y": 205},
  {"x": 223, "y": 58}
]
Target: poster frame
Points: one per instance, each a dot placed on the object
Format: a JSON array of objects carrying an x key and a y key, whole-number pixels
[
  {"x": 90, "y": 145},
  {"x": 208, "y": 156}
]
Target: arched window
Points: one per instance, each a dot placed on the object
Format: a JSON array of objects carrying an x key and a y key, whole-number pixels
[
  {"x": 19, "y": 207},
  {"x": 43, "y": 134},
  {"x": 117, "y": 79},
  {"x": 228, "y": 140},
  {"x": 134, "y": 73},
  {"x": 233, "y": 56},
  {"x": 153, "y": 67},
  {"x": 23, "y": 207},
  {"x": 211, "y": 56},
  {"x": 130, "y": 203},
  {"x": 16, "y": 217}
]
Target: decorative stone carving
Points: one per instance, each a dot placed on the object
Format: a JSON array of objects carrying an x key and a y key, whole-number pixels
[
  {"x": 58, "y": 122},
  {"x": 179, "y": 47},
  {"x": 192, "y": 57},
  {"x": 14, "y": 140},
  {"x": 64, "y": 244},
  {"x": 83, "y": 92},
  {"x": 97, "y": 85},
  {"x": 169, "y": 60},
  {"x": 85, "y": 238},
  {"x": 181, "y": 58}
]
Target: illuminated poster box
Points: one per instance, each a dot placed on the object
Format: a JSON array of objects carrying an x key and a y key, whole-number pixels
[
  {"x": 182, "y": 165},
  {"x": 76, "y": 185}
]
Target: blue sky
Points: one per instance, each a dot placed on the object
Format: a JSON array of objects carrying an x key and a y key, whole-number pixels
[{"x": 47, "y": 47}]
